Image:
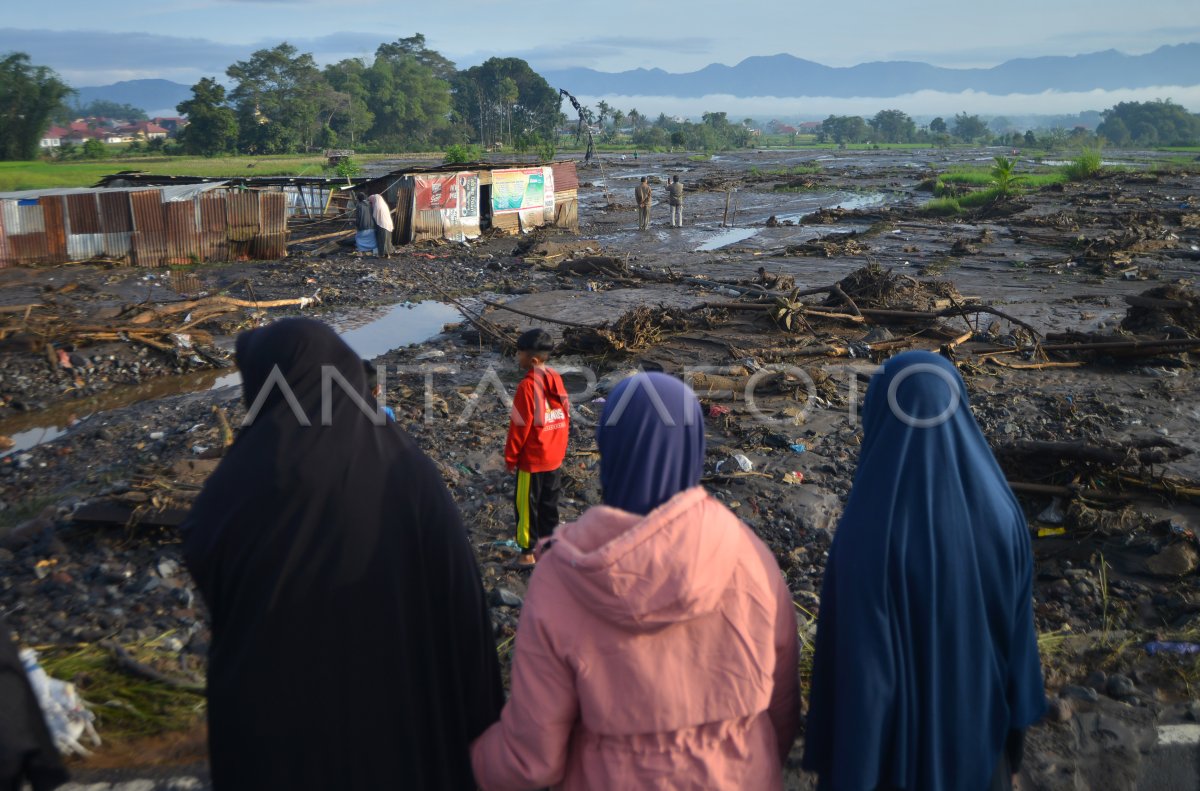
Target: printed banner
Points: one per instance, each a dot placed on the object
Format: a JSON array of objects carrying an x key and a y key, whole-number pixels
[
  {"x": 468, "y": 190},
  {"x": 435, "y": 192},
  {"x": 518, "y": 190}
]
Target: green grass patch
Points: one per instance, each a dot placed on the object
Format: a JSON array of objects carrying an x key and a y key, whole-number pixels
[
  {"x": 1036, "y": 180},
  {"x": 799, "y": 188},
  {"x": 126, "y": 706},
  {"x": 982, "y": 177},
  {"x": 973, "y": 200},
  {"x": 51, "y": 175},
  {"x": 699, "y": 158},
  {"x": 1087, "y": 165},
  {"x": 942, "y": 207},
  {"x": 979, "y": 177}
]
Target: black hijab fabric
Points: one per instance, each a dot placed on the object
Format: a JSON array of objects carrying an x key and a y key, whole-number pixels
[
  {"x": 352, "y": 646},
  {"x": 27, "y": 753}
]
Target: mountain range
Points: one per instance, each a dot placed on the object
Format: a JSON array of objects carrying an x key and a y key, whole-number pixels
[
  {"x": 788, "y": 76},
  {"x": 149, "y": 95}
]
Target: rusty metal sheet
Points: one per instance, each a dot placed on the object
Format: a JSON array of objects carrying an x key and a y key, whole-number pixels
[
  {"x": 242, "y": 222},
  {"x": 271, "y": 242},
  {"x": 84, "y": 239},
  {"x": 54, "y": 216},
  {"x": 183, "y": 239},
  {"x": 149, "y": 228},
  {"x": 83, "y": 213},
  {"x": 214, "y": 235},
  {"x": 565, "y": 176},
  {"x": 429, "y": 224},
  {"x": 26, "y": 231},
  {"x": 116, "y": 224}
]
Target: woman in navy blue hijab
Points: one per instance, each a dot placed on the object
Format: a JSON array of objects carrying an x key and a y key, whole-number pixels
[
  {"x": 926, "y": 670},
  {"x": 655, "y": 419}
]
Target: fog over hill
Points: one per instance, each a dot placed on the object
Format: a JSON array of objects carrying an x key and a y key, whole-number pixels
[{"x": 787, "y": 85}]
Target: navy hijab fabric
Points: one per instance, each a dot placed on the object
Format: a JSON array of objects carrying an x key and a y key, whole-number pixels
[
  {"x": 651, "y": 440},
  {"x": 926, "y": 656}
]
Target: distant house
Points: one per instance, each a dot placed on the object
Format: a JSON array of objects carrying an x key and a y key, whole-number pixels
[
  {"x": 809, "y": 128},
  {"x": 54, "y": 136},
  {"x": 173, "y": 125},
  {"x": 784, "y": 129},
  {"x": 143, "y": 130}
]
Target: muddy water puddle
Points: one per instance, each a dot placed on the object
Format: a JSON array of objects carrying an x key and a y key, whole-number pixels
[{"x": 370, "y": 333}]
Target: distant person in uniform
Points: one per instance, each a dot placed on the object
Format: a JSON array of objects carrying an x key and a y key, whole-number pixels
[
  {"x": 382, "y": 216},
  {"x": 642, "y": 193},
  {"x": 675, "y": 199}
]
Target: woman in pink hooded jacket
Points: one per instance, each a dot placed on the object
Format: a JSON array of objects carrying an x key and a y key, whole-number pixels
[{"x": 657, "y": 647}]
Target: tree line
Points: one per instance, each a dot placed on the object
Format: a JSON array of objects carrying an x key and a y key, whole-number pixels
[
  {"x": 406, "y": 97},
  {"x": 410, "y": 97},
  {"x": 1147, "y": 124}
]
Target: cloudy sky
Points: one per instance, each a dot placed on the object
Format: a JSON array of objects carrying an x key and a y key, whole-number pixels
[{"x": 92, "y": 43}]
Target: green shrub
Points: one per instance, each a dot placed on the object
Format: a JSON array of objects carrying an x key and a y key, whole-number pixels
[
  {"x": 973, "y": 200},
  {"x": 942, "y": 207},
  {"x": 1004, "y": 177},
  {"x": 347, "y": 168},
  {"x": 462, "y": 154},
  {"x": 1084, "y": 166}
]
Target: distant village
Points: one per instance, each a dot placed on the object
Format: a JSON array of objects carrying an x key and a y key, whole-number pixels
[{"x": 112, "y": 131}]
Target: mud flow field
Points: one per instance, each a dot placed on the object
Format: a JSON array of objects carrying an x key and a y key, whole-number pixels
[{"x": 1068, "y": 306}]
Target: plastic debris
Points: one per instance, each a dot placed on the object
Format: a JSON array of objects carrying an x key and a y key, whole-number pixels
[
  {"x": 1053, "y": 514},
  {"x": 67, "y": 716},
  {"x": 798, "y": 447},
  {"x": 716, "y": 410},
  {"x": 1050, "y": 531},
  {"x": 793, "y": 477},
  {"x": 743, "y": 463},
  {"x": 1171, "y": 647}
]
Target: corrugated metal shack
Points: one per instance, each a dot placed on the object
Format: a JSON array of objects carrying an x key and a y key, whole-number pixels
[
  {"x": 145, "y": 226},
  {"x": 458, "y": 202},
  {"x": 306, "y": 196}
]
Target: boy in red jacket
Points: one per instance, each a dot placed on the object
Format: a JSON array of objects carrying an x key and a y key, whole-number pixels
[{"x": 537, "y": 442}]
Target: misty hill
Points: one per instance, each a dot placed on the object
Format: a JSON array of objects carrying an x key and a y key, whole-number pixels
[
  {"x": 149, "y": 95},
  {"x": 787, "y": 75}
]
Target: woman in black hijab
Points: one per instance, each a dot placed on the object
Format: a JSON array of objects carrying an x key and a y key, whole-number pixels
[
  {"x": 27, "y": 753},
  {"x": 352, "y": 646}
]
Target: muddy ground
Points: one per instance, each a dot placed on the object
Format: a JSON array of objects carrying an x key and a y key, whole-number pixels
[{"x": 130, "y": 429}]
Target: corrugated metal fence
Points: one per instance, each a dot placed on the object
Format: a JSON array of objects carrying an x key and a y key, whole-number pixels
[{"x": 142, "y": 227}]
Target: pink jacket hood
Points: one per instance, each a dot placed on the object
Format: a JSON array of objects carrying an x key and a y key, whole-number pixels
[
  {"x": 655, "y": 653},
  {"x": 645, "y": 572}
]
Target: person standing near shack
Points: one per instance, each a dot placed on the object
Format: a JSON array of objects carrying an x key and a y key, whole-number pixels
[
  {"x": 364, "y": 225},
  {"x": 642, "y": 193},
  {"x": 382, "y": 215},
  {"x": 675, "y": 199}
]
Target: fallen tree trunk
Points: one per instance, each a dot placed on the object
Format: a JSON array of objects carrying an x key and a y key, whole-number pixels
[
  {"x": 1081, "y": 451},
  {"x": 211, "y": 302}
]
